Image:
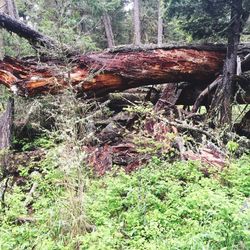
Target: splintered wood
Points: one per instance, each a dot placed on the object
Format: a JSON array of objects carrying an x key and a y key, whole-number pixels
[{"x": 108, "y": 71}]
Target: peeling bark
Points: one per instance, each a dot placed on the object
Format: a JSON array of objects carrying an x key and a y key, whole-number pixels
[
  {"x": 106, "y": 72},
  {"x": 96, "y": 74}
]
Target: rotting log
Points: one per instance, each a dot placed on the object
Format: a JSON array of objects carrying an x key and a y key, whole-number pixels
[
  {"x": 115, "y": 70},
  {"x": 107, "y": 71}
]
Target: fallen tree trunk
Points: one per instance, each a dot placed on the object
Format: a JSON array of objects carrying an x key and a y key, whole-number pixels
[
  {"x": 117, "y": 69},
  {"x": 108, "y": 71},
  {"x": 35, "y": 38},
  {"x": 22, "y": 30}
]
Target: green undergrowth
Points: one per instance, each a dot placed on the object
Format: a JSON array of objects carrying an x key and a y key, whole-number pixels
[{"x": 160, "y": 206}]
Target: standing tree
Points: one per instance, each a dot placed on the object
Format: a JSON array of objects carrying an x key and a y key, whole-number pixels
[
  {"x": 205, "y": 19},
  {"x": 160, "y": 22},
  {"x": 222, "y": 103},
  {"x": 104, "y": 10},
  {"x": 137, "y": 23},
  {"x": 6, "y": 119},
  {"x": 2, "y": 9},
  {"x": 108, "y": 30},
  {"x": 11, "y": 8}
]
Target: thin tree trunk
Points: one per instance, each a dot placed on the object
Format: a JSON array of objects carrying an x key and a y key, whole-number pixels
[
  {"x": 1, "y": 45},
  {"x": 6, "y": 123},
  {"x": 11, "y": 9},
  {"x": 2, "y": 9},
  {"x": 137, "y": 23},
  {"x": 108, "y": 30},
  {"x": 160, "y": 22},
  {"x": 222, "y": 103}
]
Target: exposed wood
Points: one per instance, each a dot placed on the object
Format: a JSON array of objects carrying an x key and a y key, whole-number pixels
[
  {"x": 119, "y": 69},
  {"x": 169, "y": 96},
  {"x": 107, "y": 71}
]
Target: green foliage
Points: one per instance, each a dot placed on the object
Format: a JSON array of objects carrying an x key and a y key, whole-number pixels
[
  {"x": 237, "y": 176},
  {"x": 232, "y": 146},
  {"x": 43, "y": 227},
  {"x": 170, "y": 207},
  {"x": 38, "y": 142},
  {"x": 202, "y": 19},
  {"x": 99, "y": 7},
  {"x": 161, "y": 206}
]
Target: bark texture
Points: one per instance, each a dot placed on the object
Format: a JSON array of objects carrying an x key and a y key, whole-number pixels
[
  {"x": 160, "y": 22},
  {"x": 12, "y": 9},
  {"x": 2, "y": 10},
  {"x": 34, "y": 37},
  {"x": 137, "y": 23},
  {"x": 108, "y": 71},
  {"x": 108, "y": 30},
  {"x": 6, "y": 123},
  {"x": 222, "y": 103}
]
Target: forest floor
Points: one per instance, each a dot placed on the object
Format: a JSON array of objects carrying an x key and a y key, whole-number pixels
[{"x": 158, "y": 184}]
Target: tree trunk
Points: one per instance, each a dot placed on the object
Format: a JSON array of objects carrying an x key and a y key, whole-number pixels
[
  {"x": 6, "y": 123},
  {"x": 222, "y": 103},
  {"x": 115, "y": 70},
  {"x": 108, "y": 30},
  {"x": 35, "y": 38},
  {"x": 137, "y": 23},
  {"x": 124, "y": 68},
  {"x": 11, "y": 9},
  {"x": 160, "y": 22},
  {"x": 2, "y": 10},
  {"x": 1, "y": 45}
]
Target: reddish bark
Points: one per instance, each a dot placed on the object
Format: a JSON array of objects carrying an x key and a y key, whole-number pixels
[{"x": 108, "y": 71}]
